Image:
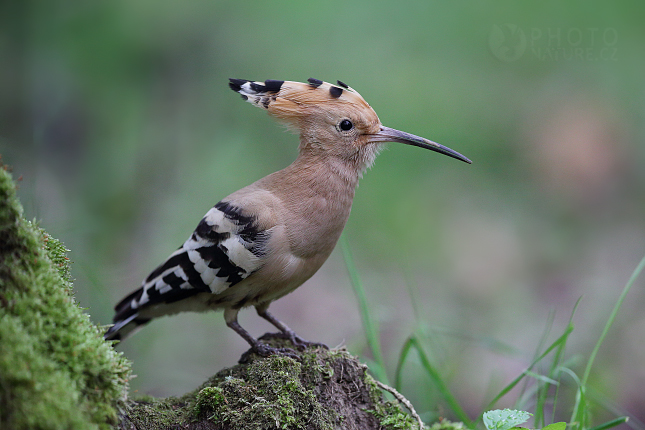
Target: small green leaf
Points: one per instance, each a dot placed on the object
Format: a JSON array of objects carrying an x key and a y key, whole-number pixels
[
  {"x": 504, "y": 419},
  {"x": 556, "y": 426}
]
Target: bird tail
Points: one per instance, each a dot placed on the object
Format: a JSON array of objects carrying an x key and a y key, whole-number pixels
[
  {"x": 127, "y": 319},
  {"x": 124, "y": 328}
]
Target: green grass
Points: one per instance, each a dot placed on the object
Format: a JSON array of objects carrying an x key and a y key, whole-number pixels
[
  {"x": 435, "y": 376},
  {"x": 369, "y": 325},
  {"x": 580, "y": 418},
  {"x": 540, "y": 390}
]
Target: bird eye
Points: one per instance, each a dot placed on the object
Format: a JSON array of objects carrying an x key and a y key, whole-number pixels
[{"x": 346, "y": 125}]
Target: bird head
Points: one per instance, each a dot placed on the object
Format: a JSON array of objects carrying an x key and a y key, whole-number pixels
[{"x": 331, "y": 119}]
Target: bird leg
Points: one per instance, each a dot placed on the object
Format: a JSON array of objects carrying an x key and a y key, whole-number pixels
[
  {"x": 262, "y": 349},
  {"x": 299, "y": 342}
]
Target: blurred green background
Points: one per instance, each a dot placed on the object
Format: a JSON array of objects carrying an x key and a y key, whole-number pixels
[{"x": 118, "y": 119}]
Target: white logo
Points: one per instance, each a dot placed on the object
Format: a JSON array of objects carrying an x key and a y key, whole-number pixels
[{"x": 507, "y": 42}]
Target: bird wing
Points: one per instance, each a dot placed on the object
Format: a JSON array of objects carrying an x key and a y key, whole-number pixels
[{"x": 226, "y": 247}]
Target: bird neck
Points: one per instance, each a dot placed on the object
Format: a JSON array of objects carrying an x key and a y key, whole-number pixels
[
  {"x": 346, "y": 163},
  {"x": 326, "y": 170}
]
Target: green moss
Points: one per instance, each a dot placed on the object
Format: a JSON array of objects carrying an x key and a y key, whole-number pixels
[
  {"x": 157, "y": 414},
  {"x": 397, "y": 419},
  {"x": 448, "y": 425},
  {"x": 324, "y": 390},
  {"x": 390, "y": 414},
  {"x": 209, "y": 398},
  {"x": 268, "y": 392},
  {"x": 56, "y": 372}
]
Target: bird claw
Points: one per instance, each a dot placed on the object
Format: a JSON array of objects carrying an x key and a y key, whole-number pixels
[
  {"x": 264, "y": 350},
  {"x": 300, "y": 343}
]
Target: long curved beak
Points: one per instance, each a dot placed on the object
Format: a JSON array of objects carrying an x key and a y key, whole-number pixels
[{"x": 388, "y": 134}]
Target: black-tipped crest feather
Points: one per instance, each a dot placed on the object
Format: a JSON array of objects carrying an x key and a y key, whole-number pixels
[{"x": 314, "y": 82}]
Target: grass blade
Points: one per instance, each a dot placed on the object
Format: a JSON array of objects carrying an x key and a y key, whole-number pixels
[
  {"x": 407, "y": 346},
  {"x": 370, "y": 327},
  {"x": 611, "y": 319},
  {"x": 559, "y": 341},
  {"x": 433, "y": 373},
  {"x": 610, "y": 424},
  {"x": 580, "y": 416},
  {"x": 554, "y": 373}
]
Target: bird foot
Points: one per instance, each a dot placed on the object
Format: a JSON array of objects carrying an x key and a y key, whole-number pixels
[
  {"x": 300, "y": 343},
  {"x": 264, "y": 350}
]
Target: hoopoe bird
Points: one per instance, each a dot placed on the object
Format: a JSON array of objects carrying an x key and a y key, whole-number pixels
[{"x": 265, "y": 240}]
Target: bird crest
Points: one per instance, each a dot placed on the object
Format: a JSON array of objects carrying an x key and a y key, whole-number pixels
[{"x": 292, "y": 101}]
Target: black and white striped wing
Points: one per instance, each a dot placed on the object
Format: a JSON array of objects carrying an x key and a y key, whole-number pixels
[{"x": 225, "y": 248}]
